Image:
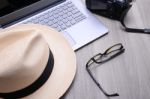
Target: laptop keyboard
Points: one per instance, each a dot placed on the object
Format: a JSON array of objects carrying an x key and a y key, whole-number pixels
[{"x": 60, "y": 17}]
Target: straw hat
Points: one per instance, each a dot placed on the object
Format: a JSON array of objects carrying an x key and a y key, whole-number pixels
[{"x": 36, "y": 62}]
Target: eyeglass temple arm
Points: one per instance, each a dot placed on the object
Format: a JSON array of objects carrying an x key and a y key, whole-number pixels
[{"x": 100, "y": 87}]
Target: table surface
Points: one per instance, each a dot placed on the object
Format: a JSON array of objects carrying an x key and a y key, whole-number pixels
[{"x": 127, "y": 74}]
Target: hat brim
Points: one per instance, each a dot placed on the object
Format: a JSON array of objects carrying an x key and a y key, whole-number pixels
[{"x": 64, "y": 62}]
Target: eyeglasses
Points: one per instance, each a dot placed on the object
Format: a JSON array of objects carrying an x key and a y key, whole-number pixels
[{"x": 101, "y": 58}]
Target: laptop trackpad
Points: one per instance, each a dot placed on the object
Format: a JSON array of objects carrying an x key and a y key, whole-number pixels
[{"x": 69, "y": 38}]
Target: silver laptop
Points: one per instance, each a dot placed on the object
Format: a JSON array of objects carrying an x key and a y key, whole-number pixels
[{"x": 70, "y": 17}]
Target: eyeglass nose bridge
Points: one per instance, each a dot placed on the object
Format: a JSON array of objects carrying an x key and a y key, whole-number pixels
[{"x": 97, "y": 57}]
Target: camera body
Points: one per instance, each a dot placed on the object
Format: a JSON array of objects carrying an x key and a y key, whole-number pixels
[{"x": 109, "y": 8}]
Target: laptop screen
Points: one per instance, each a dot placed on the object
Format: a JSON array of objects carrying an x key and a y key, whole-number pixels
[
  {"x": 12, "y": 10},
  {"x": 8, "y": 6}
]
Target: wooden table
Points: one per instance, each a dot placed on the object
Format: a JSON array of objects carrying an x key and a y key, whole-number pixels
[{"x": 127, "y": 74}]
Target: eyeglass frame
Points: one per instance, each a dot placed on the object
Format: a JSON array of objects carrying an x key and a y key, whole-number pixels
[{"x": 120, "y": 51}]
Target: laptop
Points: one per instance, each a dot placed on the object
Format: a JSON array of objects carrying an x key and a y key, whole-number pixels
[{"x": 69, "y": 17}]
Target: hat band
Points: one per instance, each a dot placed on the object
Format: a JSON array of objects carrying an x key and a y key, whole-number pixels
[{"x": 35, "y": 85}]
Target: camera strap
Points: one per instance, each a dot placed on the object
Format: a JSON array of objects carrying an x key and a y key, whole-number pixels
[{"x": 133, "y": 30}]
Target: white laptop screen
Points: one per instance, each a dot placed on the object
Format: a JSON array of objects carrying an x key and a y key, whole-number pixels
[{"x": 12, "y": 10}]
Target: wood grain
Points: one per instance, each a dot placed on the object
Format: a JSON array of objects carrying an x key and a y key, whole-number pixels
[{"x": 127, "y": 74}]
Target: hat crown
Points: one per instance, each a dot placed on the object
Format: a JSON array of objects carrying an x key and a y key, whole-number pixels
[{"x": 24, "y": 56}]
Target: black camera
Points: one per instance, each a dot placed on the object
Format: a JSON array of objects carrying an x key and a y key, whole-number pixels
[
  {"x": 114, "y": 9},
  {"x": 109, "y": 8}
]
